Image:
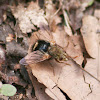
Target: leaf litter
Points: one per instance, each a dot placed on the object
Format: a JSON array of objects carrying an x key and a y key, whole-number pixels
[{"x": 78, "y": 35}]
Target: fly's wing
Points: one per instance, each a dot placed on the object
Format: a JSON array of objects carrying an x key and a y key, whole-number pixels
[{"x": 34, "y": 57}]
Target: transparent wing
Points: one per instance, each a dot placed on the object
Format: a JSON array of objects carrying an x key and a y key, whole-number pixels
[{"x": 34, "y": 57}]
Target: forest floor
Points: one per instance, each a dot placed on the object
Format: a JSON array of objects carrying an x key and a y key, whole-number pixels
[{"x": 71, "y": 71}]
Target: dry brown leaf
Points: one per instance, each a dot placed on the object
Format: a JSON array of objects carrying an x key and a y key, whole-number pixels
[
  {"x": 32, "y": 16},
  {"x": 91, "y": 41},
  {"x": 28, "y": 17},
  {"x": 97, "y": 13},
  {"x": 45, "y": 71},
  {"x": 74, "y": 49},
  {"x": 55, "y": 93},
  {"x": 68, "y": 78},
  {"x": 76, "y": 10},
  {"x": 40, "y": 90},
  {"x": 89, "y": 30}
]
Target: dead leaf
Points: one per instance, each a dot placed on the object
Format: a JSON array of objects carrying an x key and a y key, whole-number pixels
[
  {"x": 69, "y": 76},
  {"x": 75, "y": 9},
  {"x": 40, "y": 90},
  {"x": 32, "y": 16},
  {"x": 89, "y": 30},
  {"x": 74, "y": 49},
  {"x": 28, "y": 17},
  {"x": 45, "y": 79},
  {"x": 97, "y": 13},
  {"x": 90, "y": 37}
]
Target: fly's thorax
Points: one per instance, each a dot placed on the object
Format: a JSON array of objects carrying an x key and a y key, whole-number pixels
[{"x": 52, "y": 50}]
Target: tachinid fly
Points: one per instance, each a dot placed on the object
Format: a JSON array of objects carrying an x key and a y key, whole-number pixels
[{"x": 43, "y": 50}]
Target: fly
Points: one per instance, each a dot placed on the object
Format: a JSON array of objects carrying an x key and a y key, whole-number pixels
[{"x": 42, "y": 50}]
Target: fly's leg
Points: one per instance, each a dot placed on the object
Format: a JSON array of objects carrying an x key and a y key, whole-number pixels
[
  {"x": 52, "y": 68},
  {"x": 61, "y": 61},
  {"x": 66, "y": 47}
]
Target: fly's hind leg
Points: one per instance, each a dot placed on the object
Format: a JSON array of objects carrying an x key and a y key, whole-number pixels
[
  {"x": 61, "y": 61},
  {"x": 52, "y": 68}
]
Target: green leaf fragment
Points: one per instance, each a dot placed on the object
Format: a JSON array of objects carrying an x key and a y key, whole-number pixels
[
  {"x": 91, "y": 2},
  {"x": 8, "y": 90}
]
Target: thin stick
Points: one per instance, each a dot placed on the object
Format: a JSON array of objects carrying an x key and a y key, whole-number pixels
[
  {"x": 56, "y": 12},
  {"x": 88, "y": 73},
  {"x": 81, "y": 69}
]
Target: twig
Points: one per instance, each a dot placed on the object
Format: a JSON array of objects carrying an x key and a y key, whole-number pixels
[{"x": 66, "y": 19}]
